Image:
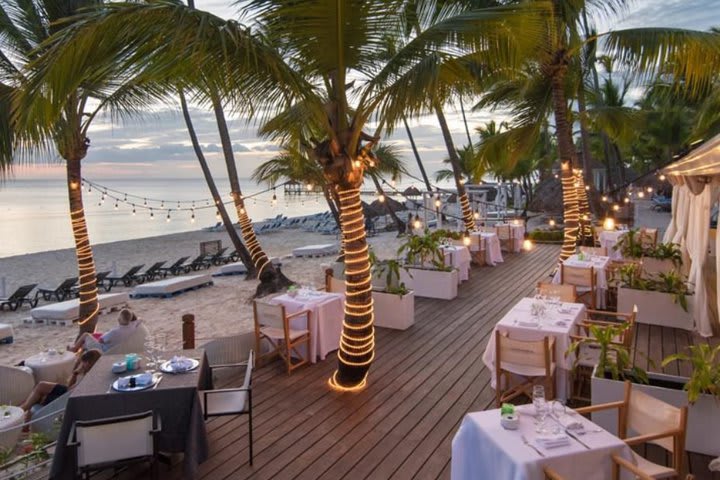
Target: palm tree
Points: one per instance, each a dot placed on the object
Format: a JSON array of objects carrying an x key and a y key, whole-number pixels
[{"x": 324, "y": 42}]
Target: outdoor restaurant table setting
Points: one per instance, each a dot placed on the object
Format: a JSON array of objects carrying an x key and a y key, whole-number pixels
[
  {"x": 518, "y": 235},
  {"x": 599, "y": 264},
  {"x": 51, "y": 366},
  {"x": 108, "y": 390},
  {"x": 488, "y": 446},
  {"x": 608, "y": 239},
  {"x": 326, "y": 317},
  {"x": 489, "y": 243},
  {"x": 458, "y": 256},
  {"x": 533, "y": 319}
]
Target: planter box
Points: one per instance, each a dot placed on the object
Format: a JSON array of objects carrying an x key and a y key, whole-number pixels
[
  {"x": 394, "y": 311},
  {"x": 656, "y": 308},
  {"x": 654, "y": 266},
  {"x": 431, "y": 283},
  {"x": 703, "y": 416}
]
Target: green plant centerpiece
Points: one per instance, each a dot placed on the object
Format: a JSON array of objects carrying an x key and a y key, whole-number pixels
[
  {"x": 423, "y": 251},
  {"x": 389, "y": 271},
  {"x": 705, "y": 376},
  {"x": 666, "y": 251}
]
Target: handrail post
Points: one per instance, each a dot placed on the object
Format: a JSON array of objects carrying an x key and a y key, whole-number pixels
[{"x": 188, "y": 331}]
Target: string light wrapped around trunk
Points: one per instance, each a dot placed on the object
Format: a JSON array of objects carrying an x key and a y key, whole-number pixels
[
  {"x": 467, "y": 212},
  {"x": 88, "y": 291},
  {"x": 357, "y": 343},
  {"x": 259, "y": 258},
  {"x": 585, "y": 229},
  {"x": 570, "y": 212}
]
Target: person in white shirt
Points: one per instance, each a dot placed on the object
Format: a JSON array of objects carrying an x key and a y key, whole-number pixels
[{"x": 127, "y": 323}]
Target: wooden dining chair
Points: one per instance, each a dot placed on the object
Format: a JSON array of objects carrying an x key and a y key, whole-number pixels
[
  {"x": 551, "y": 474},
  {"x": 505, "y": 235},
  {"x": 273, "y": 325},
  {"x": 652, "y": 421},
  {"x": 534, "y": 361},
  {"x": 648, "y": 237},
  {"x": 567, "y": 293},
  {"x": 599, "y": 251},
  {"x": 332, "y": 284},
  {"x": 583, "y": 278},
  {"x": 588, "y": 354}
]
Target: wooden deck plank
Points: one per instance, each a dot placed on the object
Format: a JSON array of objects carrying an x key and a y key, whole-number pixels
[{"x": 422, "y": 384}]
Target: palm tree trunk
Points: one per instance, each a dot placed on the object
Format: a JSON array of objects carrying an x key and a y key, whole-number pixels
[
  {"x": 259, "y": 258},
  {"x": 467, "y": 213},
  {"x": 357, "y": 344},
  {"x": 399, "y": 223},
  {"x": 417, "y": 155},
  {"x": 245, "y": 257},
  {"x": 566, "y": 150},
  {"x": 590, "y": 203},
  {"x": 467, "y": 129},
  {"x": 89, "y": 305},
  {"x": 331, "y": 203}
]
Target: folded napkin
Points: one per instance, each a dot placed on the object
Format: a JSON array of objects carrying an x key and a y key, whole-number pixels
[
  {"x": 528, "y": 323},
  {"x": 571, "y": 422},
  {"x": 142, "y": 380},
  {"x": 552, "y": 440},
  {"x": 180, "y": 364}
]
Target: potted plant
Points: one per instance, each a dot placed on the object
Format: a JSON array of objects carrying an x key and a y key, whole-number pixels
[
  {"x": 394, "y": 303},
  {"x": 425, "y": 271},
  {"x": 661, "y": 299},
  {"x": 629, "y": 244},
  {"x": 701, "y": 391},
  {"x": 662, "y": 258}
]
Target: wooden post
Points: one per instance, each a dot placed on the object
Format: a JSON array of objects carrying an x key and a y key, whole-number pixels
[{"x": 188, "y": 331}]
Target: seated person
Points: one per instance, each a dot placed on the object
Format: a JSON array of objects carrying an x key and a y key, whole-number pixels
[
  {"x": 127, "y": 322},
  {"x": 46, "y": 392}
]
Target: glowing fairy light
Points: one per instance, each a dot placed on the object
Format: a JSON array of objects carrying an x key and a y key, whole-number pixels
[
  {"x": 309, "y": 186},
  {"x": 357, "y": 163},
  {"x": 551, "y": 222},
  {"x": 616, "y": 207},
  {"x": 152, "y": 215},
  {"x": 476, "y": 215},
  {"x": 649, "y": 189},
  {"x": 392, "y": 182},
  {"x": 571, "y": 211},
  {"x": 242, "y": 210},
  {"x": 662, "y": 177},
  {"x": 167, "y": 219},
  {"x": 162, "y": 204},
  {"x": 584, "y": 217},
  {"x": 116, "y": 205},
  {"x": 217, "y": 215},
  {"x": 641, "y": 194},
  {"x": 466, "y": 238},
  {"x": 626, "y": 200},
  {"x": 381, "y": 198},
  {"x": 273, "y": 202},
  {"x": 417, "y": 224},
  {"x": 89, "y": 189},
  {"x": 609, "y": 224},
  {"x": 438, "y": 203},
  {"x": 357, "y": 342},
  {"x": 516, "y": 222},
  {"x": 133, "y": 210},
  {"x": 604, "y": 198},
  {"x": 527, "y": 245},
  {"x": 192, "y": 216},
  {"x": 145, "y": 202},
  {"x": 73, "y": 184}
]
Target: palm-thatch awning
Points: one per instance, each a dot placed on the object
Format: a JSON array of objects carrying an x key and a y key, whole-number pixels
[
  {"x": 412, "y": 192},
  {"x": 394, "y": 205}
]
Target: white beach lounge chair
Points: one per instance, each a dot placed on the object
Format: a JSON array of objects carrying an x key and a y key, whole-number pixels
[
  {"x": 65, "y": 313},
  {"x": 172, "y": 286}
]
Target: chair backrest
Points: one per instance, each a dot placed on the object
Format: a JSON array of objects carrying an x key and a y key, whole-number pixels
[
  {"x": 504, "y": 232},
  {"x": 135, "y": 343},
  {"x": 578, "y": 276},
  {"x": 567, "y": 293},
  {"x": 101, "y": 276},
  {"x": 332, "y": 284},
  {"x": 645, "y": 415},
  {"x": 16, "y": 383},
  {"x": 249, "y": 370},
  {"x": 648, "y": 237},
  {"x": 67, "y": 283},
  {"x": 134, "y": 270},
  {"x": 601, "y": 251},
  {"x": 487, "y": 229},
  {"x": 22, "y": 292},
  {"x": 268, "y": 315},
  {"x": 534, "y": 353},
  {"x": 229, "y": 350},
  {"x": 179, "y": 262},
  {"x": 155, "y": 267},
  {"x": 113, "y": 439},
  {"x": 199, "y": 259}
]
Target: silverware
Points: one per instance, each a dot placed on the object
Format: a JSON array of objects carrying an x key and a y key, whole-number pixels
[
  {"x": 158, "y": 382},
  {"x": 526, "y": 442},
  {"x": 575, "y": 436}
]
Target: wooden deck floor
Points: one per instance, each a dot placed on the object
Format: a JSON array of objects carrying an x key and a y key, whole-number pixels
[{"x": 424, "y": 380}]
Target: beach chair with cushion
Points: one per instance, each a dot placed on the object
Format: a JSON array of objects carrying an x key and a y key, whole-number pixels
[
  {"x": 128, "y": 278},
  {"x": 217, "y": 257},
  {"x": 16, "y": 383},
  {"x": 272, "y": 324},
  {"x": 61, "y": 292},
  {"x": 115, "y": 441},
  {"x": 566, "y": 293},
  {"x": 534, "y": 361},
  {"x": 652, "y": 421},
  {"x": 20, "y": 296},
  {"x": 583, "y": 278},
  {"x": 201, "y": 261},
  {"x": 233, "y": 401},
  {"x": 175, "y": 269},
  {"x": 151, "y": 273}
]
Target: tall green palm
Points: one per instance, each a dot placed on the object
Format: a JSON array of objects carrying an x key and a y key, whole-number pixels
[{"x": 325, "y": 44}]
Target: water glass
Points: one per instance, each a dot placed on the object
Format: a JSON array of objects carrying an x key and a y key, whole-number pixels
[{"x": 540, "y": 404}]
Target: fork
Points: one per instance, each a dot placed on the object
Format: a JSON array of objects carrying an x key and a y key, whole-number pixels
[{"x": 526, "y": 442}]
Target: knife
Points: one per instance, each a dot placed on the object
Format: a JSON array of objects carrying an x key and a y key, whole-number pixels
[{"x": 575, "y": 436}]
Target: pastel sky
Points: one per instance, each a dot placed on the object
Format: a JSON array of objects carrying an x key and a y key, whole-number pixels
[{"x": 158, "y": 146}]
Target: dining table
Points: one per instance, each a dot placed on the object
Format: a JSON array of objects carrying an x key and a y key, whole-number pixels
[
  {"x": 51, "y": 366},
  {"x": 599, "y": 263},
  {"x": 174, "y": 398},
  {"x": 610, "y": 238},
  {"x": 558, "y": 321},
  {"x": 458, "y": 256},
  {"x": 483, "y": 448},
  {"x": 489, "y": 243},
  {"x": 327, "y": 311}
]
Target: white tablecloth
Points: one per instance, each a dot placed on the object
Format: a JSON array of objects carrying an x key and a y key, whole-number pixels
[
  {"x": 458, "y": 257},
  {"x": 548, "y": 326},
  {"x": 518, "y": 234},
  {"x": 608, "y": 239},
  {"x": 325, "y": 320},
  {"x": 10, "y": 425},
  {"x": 483, "y": 449},
  {"x": 52, "y": 367},
  {"x": 488, "y": 242},
  {"x": 600, "y": 264}
]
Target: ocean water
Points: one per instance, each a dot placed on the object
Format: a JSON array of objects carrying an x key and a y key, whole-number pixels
[{"x": 34, "y": 214}]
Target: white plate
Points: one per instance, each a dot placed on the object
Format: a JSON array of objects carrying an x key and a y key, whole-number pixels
[
  {"x": 167, "y": 366},
  {"x": 116, "y": 384}
]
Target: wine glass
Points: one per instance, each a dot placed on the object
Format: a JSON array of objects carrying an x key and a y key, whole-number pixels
[
  {"x": 540, "y": 404},
  {"x": 150, "y": 353}
]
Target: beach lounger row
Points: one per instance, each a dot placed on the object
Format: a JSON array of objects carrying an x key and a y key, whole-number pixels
[
  {"x": 271, "y": 225},
  {"x": 316, "y": 250},
  {"x": 67, "y": 312},
  {"x": 170, "y": 287}
]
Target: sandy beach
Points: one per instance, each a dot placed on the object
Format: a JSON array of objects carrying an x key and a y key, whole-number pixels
[{"x": 220, "y": 310}]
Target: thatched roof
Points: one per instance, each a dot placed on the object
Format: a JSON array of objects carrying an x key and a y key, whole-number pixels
[
  {"x": 394, "y": 205},
  {"x": 412, "y": 192}
]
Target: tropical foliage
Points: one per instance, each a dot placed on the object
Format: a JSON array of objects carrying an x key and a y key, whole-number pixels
[{"x": 705, "y": 377}]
